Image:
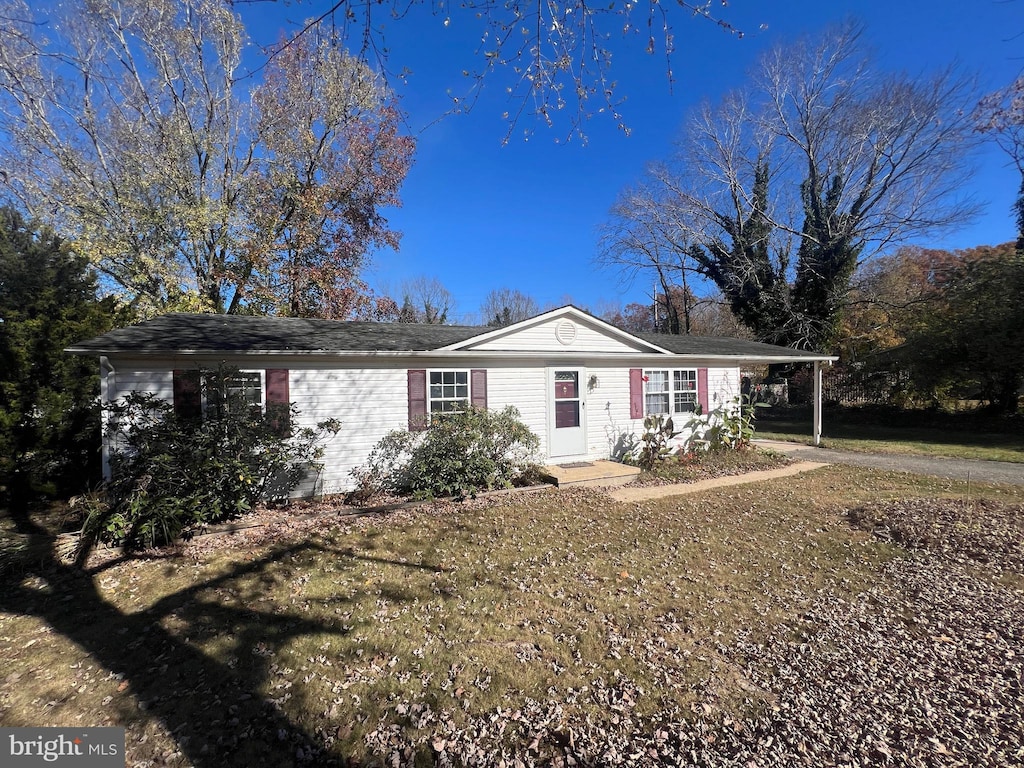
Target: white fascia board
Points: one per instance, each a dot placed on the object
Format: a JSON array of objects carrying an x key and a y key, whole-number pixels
[
  {"x": 443, "y": 354},
  {"x": 775, "y": 359}
]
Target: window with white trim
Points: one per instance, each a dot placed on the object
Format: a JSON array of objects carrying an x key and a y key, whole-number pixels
[
  {"x": 447, "y": 391},
  {"x": 656, "y": 392},
  {"x": 670, "y": 391},
  {"x": 239, "y": 388},
  {"x": 684, "y": 391}
]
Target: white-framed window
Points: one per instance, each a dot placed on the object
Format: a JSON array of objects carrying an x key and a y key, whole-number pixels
[
  {"x": 240, "y": 387},
  {"x": 684, "y": 390},
  {"x": 670, "y": 391},
  {"x": 656, "y": 392},
  {"x": 447, "y": 391}
]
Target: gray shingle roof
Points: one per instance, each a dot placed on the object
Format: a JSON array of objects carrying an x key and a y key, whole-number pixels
[
  {"x": 221, "y": 334},
  {"x": 242, "y": 333},
  {"x": 722, "y": 345}
]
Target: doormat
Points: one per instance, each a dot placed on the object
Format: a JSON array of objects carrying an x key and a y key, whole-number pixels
[{"x": 577, "y": 465}]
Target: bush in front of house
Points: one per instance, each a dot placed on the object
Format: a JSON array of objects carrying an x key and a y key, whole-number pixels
[
  {"x": 172, "y": 474},
  {"x": 459, "y": 454}
]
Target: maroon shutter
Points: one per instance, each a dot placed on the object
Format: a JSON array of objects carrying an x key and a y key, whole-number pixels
[
  {"x": 478, "y": 387},
  {"x": 188, "y": 399},
  {"x": 417, "y": 400},
  {"x": 636, "y": 393},
  {"x": 702, "y": 388},
  {"x": 278, "y": 400}
]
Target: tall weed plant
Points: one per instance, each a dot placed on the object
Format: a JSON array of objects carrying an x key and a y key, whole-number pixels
[{"x": 728, "y": 427}]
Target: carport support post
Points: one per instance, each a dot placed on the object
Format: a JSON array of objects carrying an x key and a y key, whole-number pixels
[
  {"x": 817, "y": 402},
  {"x": 106, "y": 393}
]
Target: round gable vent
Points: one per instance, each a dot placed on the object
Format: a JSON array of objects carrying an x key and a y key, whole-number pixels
[{"x": 565, "y": 332}]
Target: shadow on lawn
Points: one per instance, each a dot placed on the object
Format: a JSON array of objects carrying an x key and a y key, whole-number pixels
[{"x": 217, "y": 711}]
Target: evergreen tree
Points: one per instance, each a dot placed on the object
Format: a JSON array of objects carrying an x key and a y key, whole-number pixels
[
  {"x": 826, "y": 260},
  {"x": 49, "y": 422},
  {"x": 743, "y": 267}
]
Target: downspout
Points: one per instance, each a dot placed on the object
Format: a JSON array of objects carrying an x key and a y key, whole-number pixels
[{"x": 108, "y": 385}]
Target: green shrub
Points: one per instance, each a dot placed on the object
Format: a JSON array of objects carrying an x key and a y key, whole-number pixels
[
  {"x": 459, "y": 454},
  {"x": 172, "y": 474}
]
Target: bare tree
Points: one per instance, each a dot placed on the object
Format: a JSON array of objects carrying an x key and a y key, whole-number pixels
[
  {"x": 505, "y": 306},
  {"x": 1001, "y": 116},
  {"x": 558, "y": 56},
  {"x": 634, "y": 317},
  {"x": 425, "y": 300},
  {"x": 640, "y": 240},
  {"x": 777, "y": 193},
  {"x": 711, "y": 316}
]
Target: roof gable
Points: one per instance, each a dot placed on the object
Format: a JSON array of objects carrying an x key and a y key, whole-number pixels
[{"x": 563, "y": 330}]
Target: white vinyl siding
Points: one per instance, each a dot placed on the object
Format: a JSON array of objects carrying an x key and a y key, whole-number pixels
[
  {"x": 524, "y": 388},
  {"x": 544, "y": 337},
  {"x": 372, "y": 401},
  {"x": 608, "y": 422},
  {"x": 723, "y": 387},
  {"x": 156, "y": 382},
  {"x": 117, "y": 383},
  {"x": 369, "y": 403}
]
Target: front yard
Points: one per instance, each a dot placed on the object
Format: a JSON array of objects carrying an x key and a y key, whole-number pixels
[
  {"x": 920, "y": 433},
  {"x": 771, "y": 624}
]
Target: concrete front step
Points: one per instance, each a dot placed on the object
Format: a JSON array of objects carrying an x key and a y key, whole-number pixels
[{"x": 599, "y": 474}]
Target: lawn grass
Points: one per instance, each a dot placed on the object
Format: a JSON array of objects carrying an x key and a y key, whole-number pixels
[
  {"x": 845, "y": 431},
  {"x": 335, "y": 641}
]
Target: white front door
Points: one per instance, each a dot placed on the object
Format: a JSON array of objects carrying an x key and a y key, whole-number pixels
[{"x": 567, "y": 412}]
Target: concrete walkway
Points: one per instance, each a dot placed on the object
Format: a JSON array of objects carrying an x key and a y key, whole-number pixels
[
  {"x": 957, "y": 469},
  {"x": 808, "y": 458},
  {"x": 645, "y": 492}
]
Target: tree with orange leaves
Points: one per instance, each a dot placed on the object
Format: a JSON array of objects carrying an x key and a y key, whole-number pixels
[{"x": 130, "y": 131}]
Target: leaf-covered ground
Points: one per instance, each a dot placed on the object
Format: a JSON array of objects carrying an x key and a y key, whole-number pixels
[
  {"x": 959, "y": 530},
  {"x": 806, "y": 621},
  {"x": 691, "y": 468}
]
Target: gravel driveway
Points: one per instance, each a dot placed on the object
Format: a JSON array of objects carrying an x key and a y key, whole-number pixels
[{"x": 958, "y": 469}]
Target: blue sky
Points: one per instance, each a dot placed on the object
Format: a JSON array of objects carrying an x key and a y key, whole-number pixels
[{"x": 478, "y": 215}]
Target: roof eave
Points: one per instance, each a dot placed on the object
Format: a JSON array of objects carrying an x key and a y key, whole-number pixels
[
  {"x": 454, "y": 353},
  {"x": 759, "y": 359}
]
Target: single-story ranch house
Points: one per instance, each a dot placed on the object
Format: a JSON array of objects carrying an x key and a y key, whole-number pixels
[{"x": 580, "y": 384}]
